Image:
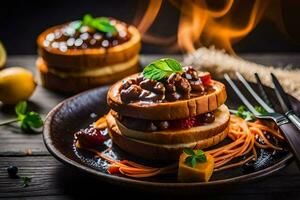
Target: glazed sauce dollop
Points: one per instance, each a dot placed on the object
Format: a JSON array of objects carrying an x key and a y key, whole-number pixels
[
  {"x": 67, "y": 37},
  {"x": 189, "y": 84}
]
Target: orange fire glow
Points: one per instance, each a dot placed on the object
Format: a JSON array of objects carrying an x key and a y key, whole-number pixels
[{"x": 200, "y": 24}]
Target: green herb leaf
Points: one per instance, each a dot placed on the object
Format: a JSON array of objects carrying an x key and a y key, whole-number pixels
[
  {"x": 21, "y": 108},
  {"x": 192, "y": 160},
  {"x": 162, "y": 68},
  {"x": 87, "y": 19},
  {"x": 25, "y": 180},
  {"x": 247, "y": 115},
  {"x": 33, "y": 119},
  {"x": 188, "y": 160},
  {"x": 27, "y": 119},
  {"x": 189, "y": 152},
  {"x": 30, "y": 121},
  {"x": 199, "y": 152},
  {"x": 260, "y": 109},
  {"x": 244, "y": 113},
  {"x": 101, "y": 24}
]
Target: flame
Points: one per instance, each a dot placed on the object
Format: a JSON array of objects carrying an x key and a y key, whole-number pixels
[
  {"x": 145, "y": 19},
  {"x": 213, "y": 27},
  {"x": 149, "y": 16},
  {"x": 200, "y": 25}
]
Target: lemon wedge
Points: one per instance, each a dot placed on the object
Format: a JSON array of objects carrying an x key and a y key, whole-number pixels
[{"x": 2, "y": 56}]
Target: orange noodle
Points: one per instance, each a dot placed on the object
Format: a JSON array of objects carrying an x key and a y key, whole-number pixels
[{"x": 244, "y": 135}]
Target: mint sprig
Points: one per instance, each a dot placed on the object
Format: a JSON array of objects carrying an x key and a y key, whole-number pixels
[
  {"x": 244, "y": 113},
  {"x": 162, "y": 68},
  {"x": 101, "y": 24},
  {"x": 29, "y": 120},
  {"x": 25, "y": 180},
  {"x": 260, "y": 109},
  {"x": 194, "y": 157}
]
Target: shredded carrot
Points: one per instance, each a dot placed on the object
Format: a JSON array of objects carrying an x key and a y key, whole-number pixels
[
  {"x": 129, "y": 168},
  {"x": 244, "y": 137}
]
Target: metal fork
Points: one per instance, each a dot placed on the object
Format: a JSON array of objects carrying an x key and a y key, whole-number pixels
[{"x": 290, "y": 132}]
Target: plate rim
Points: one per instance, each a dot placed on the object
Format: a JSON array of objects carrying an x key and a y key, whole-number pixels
[{"x": 139, "y": 182}]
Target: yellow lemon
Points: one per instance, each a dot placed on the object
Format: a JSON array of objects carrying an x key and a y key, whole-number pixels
[
  {"x": 2, "y": 55},
  {"x": 16, "y": 84}
]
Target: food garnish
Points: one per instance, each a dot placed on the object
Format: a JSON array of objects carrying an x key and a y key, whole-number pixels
[
  {"x": 162, "y": 68},
  {"x": 246, "y": 136},
  {"x": 165, "y": 80},
  {"x": 260, "y": 109},
  {"x": 12, "y": 171},
  {"x": 195, "y": 166},
  {"x": 16, "y": 84},
  {"x": 246, "y": 114},
  {"x": 194, "y": 157},
  {"x": 2, "y": 55},
  {"x": 25, "y": 180},
  {"x": 29, "y": 120},
  {"x": 101, "y": 24}
]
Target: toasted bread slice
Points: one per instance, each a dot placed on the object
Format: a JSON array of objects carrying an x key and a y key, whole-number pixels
[
  {"x": 161, "y": 152},
  {"x": 170, "y": 110},
  {"x": 79, "y": 81},
  {"x": 88, "y": 58},
  {"x": 205, "y": 131}
]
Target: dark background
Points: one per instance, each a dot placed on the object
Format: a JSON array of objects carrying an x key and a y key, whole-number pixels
[{"x": 21, "y": 22}]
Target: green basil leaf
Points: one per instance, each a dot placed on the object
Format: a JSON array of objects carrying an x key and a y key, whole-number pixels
[
  {"x": 201, "y": 158},
  {"x": 244, "y": 113},
  {"x": 248, "y": 116},
  {"x": 103, "y": 19},
  {"x": 34, "y": 120},
  {"x": 87, "y": 19},
  {"x": 25, "y": 127},
  {"x": 21, "y": 108},
  {"x": 174, "y": 64},
  {"x": 189, "y": 151},
  {"x": 25, "y": 180},
  {"x": 101, "y": 24},
  {"x": 194, "y": 162},
  {"x": 260, "y": 109},
  {"x": 188, "y": 160},
  {"x": 241, "y": 109},
  {"x": 162, "y": 68},
  {"x": 199, "y": 152}
]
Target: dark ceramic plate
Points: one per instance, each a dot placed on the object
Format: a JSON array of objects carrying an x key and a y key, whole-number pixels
[{"x": 81, "y": 110}]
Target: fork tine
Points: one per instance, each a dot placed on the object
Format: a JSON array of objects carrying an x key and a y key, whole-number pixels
[
  {"x": 262, "y": 90},
  {"x": 254, "y": 94},
  {"x": 240, "y": 95}
]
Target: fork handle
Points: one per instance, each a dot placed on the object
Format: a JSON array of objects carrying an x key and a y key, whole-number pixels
[
  {"x": 294, "y": 119},
  {"x": 291, "y": 133}
]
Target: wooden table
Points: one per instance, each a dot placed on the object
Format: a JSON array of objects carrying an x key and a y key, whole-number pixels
[{"x": 52, "y": 180}]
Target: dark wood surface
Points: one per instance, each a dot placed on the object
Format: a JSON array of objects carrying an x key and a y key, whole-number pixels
[{"x": 53, "y": 180}]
